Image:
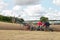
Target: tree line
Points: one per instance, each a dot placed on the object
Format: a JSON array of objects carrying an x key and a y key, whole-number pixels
[{"x": 9, "y": 19}]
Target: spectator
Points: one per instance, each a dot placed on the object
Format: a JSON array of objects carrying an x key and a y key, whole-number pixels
[
  {"x": 39, "y": 24},
  {"x": 47, "y": 24}
]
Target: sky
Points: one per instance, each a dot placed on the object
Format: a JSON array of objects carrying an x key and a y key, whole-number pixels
[{"x": 31, "y": 9}]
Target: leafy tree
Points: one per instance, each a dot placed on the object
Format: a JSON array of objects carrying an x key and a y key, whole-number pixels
[
  {"x": 21, "y": 20},
  {"x": 44, "y": 19},
  {"x": 9, "y": 19},
  {"x": 5, "y": 18}
]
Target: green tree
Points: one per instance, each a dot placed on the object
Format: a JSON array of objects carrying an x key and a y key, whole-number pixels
[
  {"x": 21, "y": 20},
  {"x": 44, "y": 19},
  {"x": 9, "y": 19},
  {"x": 5, "y": 18}
]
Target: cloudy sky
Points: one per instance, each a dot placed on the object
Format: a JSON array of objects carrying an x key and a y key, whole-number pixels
[{"x": 31, "y": 9}]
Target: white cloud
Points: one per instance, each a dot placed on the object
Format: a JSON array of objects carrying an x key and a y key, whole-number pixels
[
  {"x": 56, "y": 2},
  {"x": 52, "y": 14},
  {"x": 3, "y": 5},
  {"x": 30, "y": 12},
  {"x": 17, "y": 10},
  {"x": 34, "y": 10},
  {"x": 17, "y": 7},
  {"x": 26, "y": 2},
  {"x": 7, "y": 13}
]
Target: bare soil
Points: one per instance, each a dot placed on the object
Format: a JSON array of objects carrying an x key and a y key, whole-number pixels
[
  {"x": 28, "y": 35},
  {"x": 13, "y": 26}
]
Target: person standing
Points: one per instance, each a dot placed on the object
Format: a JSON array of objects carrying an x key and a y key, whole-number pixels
[
  {"x": 39, "y": 24},
  {"x": 47, "y": 24}
]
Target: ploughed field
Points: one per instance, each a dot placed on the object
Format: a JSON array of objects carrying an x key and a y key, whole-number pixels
[
  {"x": 11, "y": 31},
  {"x": 13, "y": 26}
]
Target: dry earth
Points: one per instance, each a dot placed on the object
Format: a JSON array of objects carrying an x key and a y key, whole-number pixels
[
  {"x": 28, "y": 35},
  {"x": 9, "y": 26},
  {"x": 13, "y": 26}
]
